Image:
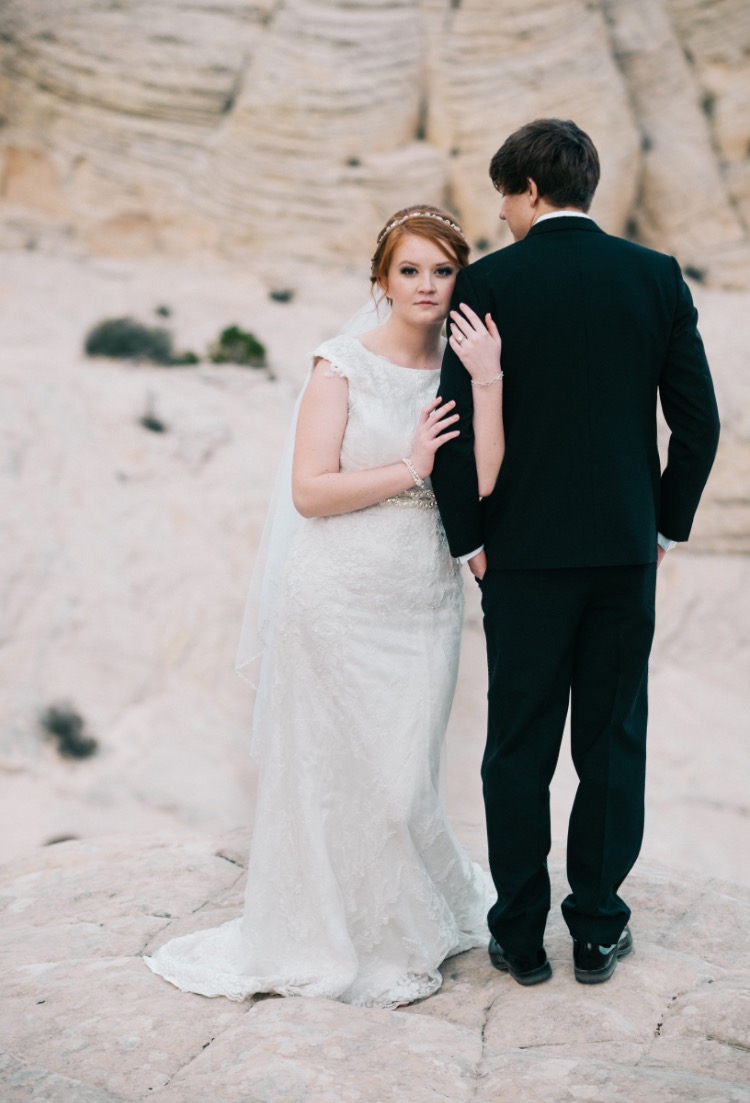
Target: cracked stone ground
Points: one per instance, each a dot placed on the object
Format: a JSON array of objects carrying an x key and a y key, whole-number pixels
[{"x": 84, "y": 1021}]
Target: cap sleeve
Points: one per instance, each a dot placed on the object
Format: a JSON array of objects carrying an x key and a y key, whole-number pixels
[{"x": 339, "y": 354}]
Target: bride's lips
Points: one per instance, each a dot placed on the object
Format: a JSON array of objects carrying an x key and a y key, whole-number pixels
[{"x": 426, "y": 302}]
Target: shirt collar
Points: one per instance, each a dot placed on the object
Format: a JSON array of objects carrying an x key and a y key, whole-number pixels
[{"x": 563, "y": 214}]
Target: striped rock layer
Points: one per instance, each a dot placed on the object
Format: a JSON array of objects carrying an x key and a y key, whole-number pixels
[{"x": 294, "y": 128}]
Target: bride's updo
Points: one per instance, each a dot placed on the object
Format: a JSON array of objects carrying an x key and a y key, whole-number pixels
[{"x": 433, "y": 223}]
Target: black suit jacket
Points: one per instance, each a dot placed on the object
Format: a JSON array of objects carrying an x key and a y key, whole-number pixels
[{"x": 593, "y": 328}]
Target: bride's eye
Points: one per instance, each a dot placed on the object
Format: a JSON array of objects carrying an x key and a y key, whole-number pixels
[
  {"x": 444, "y": 270},
  {"x": 407, "y": 270}
]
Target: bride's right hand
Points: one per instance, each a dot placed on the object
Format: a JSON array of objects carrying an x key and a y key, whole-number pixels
[
  {"x": 476, "y": 344},
  {"x": 431, "y": 434}
]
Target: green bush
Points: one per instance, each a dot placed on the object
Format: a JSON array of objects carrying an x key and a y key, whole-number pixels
[
  {"x": 126, "y": 339},
  {"x": 153, "y": 423},
  {"x": 66, "y": 725},
  {"x": 185, "y": 358},
  {"x": 237, "y": 346}
]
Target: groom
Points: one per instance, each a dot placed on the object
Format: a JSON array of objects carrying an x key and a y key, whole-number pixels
[{"x": 566, "y": 547}]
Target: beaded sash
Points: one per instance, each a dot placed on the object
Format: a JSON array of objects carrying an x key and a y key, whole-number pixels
[{"x": 420, "y": 497}]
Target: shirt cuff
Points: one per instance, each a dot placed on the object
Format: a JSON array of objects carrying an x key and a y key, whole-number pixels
[
  {"x": 665, "y": 542},
  {"x": 466, "y": 558}
]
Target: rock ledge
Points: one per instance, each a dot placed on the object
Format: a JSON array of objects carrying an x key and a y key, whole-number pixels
[{"x": 86, "y": 1022}]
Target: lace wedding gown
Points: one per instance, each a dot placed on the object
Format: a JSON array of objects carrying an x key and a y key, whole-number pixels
[{"x": 357, "y": 889}]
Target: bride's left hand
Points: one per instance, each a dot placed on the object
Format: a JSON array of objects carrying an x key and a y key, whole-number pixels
[{"x": 477, "y": 344}]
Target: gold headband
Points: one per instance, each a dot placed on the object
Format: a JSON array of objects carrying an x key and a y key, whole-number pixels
[{"x": 419, "y": 214}]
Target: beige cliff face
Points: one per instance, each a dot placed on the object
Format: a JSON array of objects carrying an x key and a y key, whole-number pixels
[
  {"x": 295, "y": 128},
  {"x": 494, "y": 67}
]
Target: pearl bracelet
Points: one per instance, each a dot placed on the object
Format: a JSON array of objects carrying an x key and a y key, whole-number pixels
[
  {"x": 418, "y": 480},
  {"x": 486, "y": 382}
]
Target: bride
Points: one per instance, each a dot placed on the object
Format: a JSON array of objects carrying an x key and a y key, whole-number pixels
[{"x": 357, "y": 889}]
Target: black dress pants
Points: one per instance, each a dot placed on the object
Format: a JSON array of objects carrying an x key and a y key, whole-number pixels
[{"x": 579, "y": 635}]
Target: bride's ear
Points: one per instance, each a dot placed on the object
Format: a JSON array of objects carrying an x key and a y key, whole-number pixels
[{"x": 383, "y": 285}]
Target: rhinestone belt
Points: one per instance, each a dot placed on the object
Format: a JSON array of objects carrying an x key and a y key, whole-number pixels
[{"x": 421, "y": 497}]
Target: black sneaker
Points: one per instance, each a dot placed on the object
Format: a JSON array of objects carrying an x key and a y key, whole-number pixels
[
  {"x": 594, "y": 964},
  {"x": 525, "y": 968}
]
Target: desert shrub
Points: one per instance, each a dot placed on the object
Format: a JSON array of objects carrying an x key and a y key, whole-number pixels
[
  {"x": 693, "y": 273},
  {"x": 162, "y": 310},
  {"x": 126, "y": 339},
  {"x": 64, "y": 724},
  {"x": 281, "y": 295},
  {"x": 186, "y": 358},
  {"x": 237, "y": 346},
  {"x": 153, "y": 423}
]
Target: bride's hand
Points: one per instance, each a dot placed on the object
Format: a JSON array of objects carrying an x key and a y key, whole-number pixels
[
  {"x": 477, "y": 344},
  {"x": 431, "y": 434}
]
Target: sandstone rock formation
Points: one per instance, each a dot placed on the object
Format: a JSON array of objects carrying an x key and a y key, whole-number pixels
[
  {"x": 716, "y": 41},
  {"x": 685, "y": 203},
  {"x": 86, "y": 1022},
  {"x": 259, "y": 128}
]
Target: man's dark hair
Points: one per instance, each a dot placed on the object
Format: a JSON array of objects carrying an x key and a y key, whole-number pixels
[{"x": 557, "y": 155}]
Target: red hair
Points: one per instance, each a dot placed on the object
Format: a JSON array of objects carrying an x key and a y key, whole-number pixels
[{"x": 432, "y": 223}]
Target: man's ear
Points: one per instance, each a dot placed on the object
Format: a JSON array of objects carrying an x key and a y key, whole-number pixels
[{"x": 533, "y": 191}]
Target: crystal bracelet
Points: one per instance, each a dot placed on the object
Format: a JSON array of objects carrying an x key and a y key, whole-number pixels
[
  {"x": 486, "y": 382},
  {"x": 418, "y": 480}
]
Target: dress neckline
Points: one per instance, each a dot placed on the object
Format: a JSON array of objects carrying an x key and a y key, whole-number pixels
[{"x": 392, "y": 363}]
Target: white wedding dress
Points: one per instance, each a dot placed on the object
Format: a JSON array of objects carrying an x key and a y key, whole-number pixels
[{"x": 357, "y": 889}]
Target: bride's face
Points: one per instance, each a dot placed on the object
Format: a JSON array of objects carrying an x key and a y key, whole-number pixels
[{"x": 420, "y": 281}]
